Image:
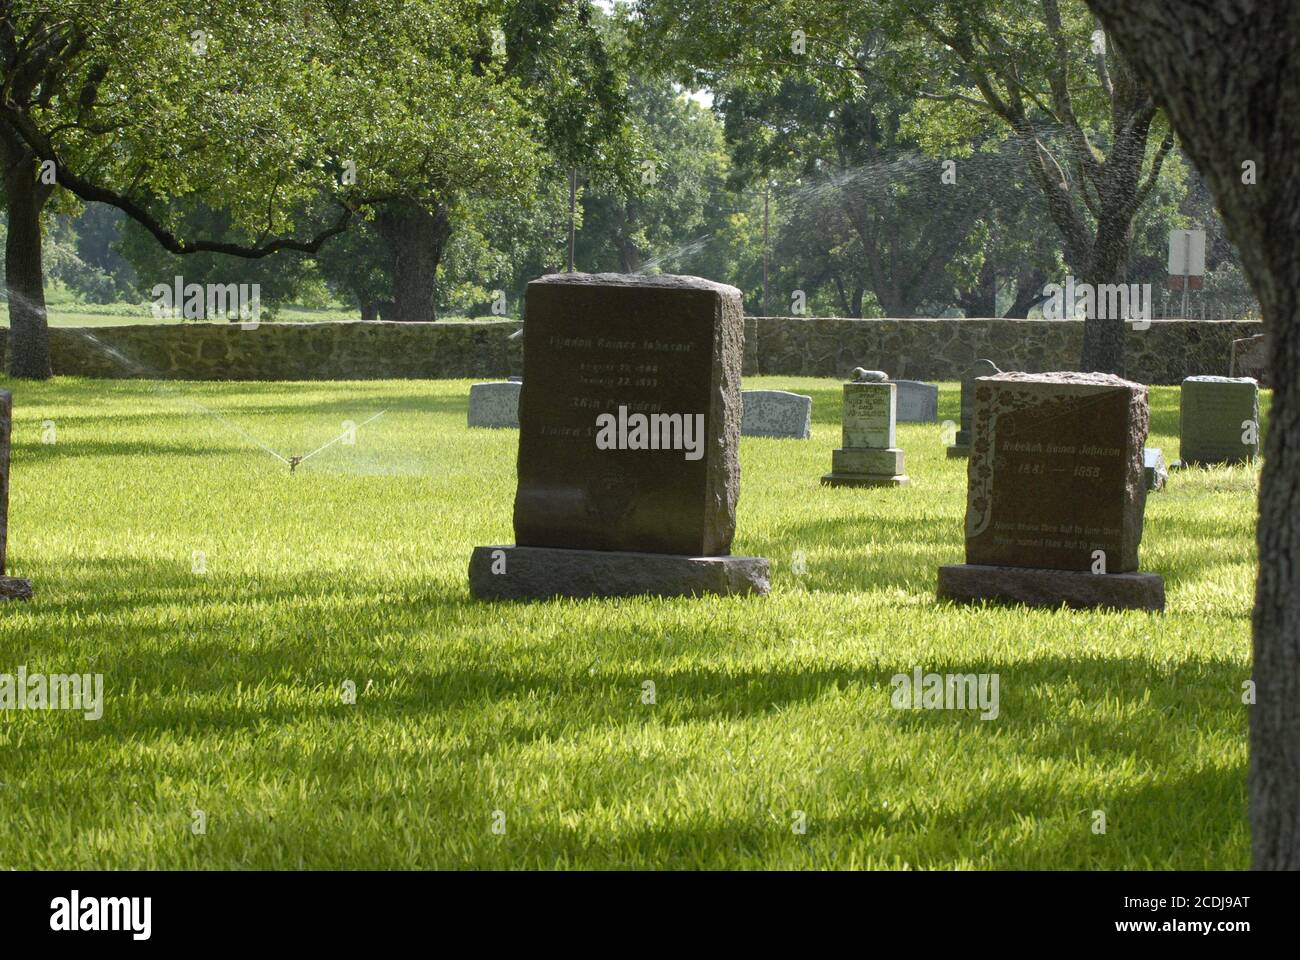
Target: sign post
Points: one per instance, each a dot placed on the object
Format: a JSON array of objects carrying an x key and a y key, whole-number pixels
[{"x": 1186, "y": 262}]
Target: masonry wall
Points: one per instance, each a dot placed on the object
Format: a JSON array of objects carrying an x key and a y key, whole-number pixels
[
  {"x": 937, "y": 349},
  {"x": 1166, "y": 352}
]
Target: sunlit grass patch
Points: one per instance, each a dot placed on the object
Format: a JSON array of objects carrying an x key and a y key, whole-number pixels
[{"x": 229, "y": 604}]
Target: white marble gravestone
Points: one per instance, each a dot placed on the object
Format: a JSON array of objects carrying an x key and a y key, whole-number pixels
[
  {"x": 494, "y": 404},
  {"x": 918, "y": 402},
  {"x": 775, "y": 413},
  {"x": 869, "y": 456}
]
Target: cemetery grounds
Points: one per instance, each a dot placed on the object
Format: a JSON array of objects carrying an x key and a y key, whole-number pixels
[{"x": 230, "y": 606}]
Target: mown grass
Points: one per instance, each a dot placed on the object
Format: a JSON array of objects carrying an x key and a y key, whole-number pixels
[{"x": 223, "y": 689}]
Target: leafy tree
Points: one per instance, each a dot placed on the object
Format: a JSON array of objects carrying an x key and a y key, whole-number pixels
[
  {"x": 280, "y": 277},
  {"x": 261, "y": 108},
  {"x": 677, "y": 188},
  {"x": 553, "y": 58},
  {"x": 1031, "y": 68}
]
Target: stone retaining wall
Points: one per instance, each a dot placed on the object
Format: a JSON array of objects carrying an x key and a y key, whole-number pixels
[
  {"x": 826, "y": 347},
  {"x": 942, "y": 349},
  {"x": 289, "y": 351}
]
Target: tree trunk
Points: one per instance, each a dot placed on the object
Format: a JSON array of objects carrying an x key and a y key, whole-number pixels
[
  {"x": 29, "y": 333},
  {"x": 628, "y": 254},
  {"x": 416, "y": 238},
  {"x": 1228, "y": 73},
  {"x": 369, "y": 311},
  {"x": 1029, "y": 291},
  {"x": 981, "y": 301},
  {"x": 1103, "y": 338}
]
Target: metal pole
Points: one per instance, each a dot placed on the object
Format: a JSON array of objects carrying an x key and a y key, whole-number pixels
[
  {"x": 573, "y": 207},
  {"x": 766, "y": 195},
  {"x": 1187, "y": 265}
]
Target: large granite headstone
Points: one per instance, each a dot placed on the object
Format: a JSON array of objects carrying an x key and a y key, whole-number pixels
[
  {"x": 629, "y": 427},
  {"x": 11, "y": 588},
  {"x": 980, "y": 368},
  {"x": 775, "y": 413},
  {"x": 1056, "y": 493},
  {"x": 1219, "y": 420},
  {"x": 918, "y": 402},
  {"x": 494, "y": 404},
  {"x": 869, "y": 456}
]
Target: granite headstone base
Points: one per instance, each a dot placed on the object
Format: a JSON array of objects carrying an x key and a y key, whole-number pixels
[
  {"x": 866, "y": 467},
  {"x": 542, "y": 573},
  {"x": 959, "y": 450},
  {"x": 1079, "y": 589},
  {"x": 13, "y": 588}
]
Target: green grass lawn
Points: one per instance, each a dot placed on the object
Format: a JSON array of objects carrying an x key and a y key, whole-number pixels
[{"x": 223, "y": 689}]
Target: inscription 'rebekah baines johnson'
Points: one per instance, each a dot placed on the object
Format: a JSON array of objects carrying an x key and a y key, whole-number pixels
[{"x": 1055, "y": 472}]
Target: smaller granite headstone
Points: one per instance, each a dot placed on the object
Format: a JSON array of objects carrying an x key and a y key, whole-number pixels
[
  {"x": 11, "y": 588},
  {"x": 775, "y": 413},
  {"x": 869, "y": 456},
  {"x": 494, "y": 404},
  {"x": 1154, "y": 469},
  {"x": 1249, "y": 358},
  {"x": 918, "y": 402},
  {"x": 1219, "y": 420},
  {"x": 980, "y": 368},
  {"x": 1055, "y": 493}
]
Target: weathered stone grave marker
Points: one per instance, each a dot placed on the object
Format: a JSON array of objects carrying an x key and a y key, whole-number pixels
[
  {"x": 1249, "y": 358},
  {"x": 1056, "y": 494},
  {"x": 918, "y": 402},
  {"x": 980, "y": 368},
  {"x": 629, "y": 427},
  {"x": 869, "y": 456},
  {"x": 775, "y": 413},
  {"x": 1218, "y": 420},
  {"x": 11, "y": 588},
  {"x": 1154, "y": 468},
  {"x": 494, "y": 404}
]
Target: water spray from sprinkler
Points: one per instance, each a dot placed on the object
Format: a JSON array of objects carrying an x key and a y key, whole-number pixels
[{"x": 140, "y": 370}]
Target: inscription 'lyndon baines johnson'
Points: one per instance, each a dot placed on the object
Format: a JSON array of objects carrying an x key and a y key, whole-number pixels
[
  {"x": 630, "y": 415},
  {"x": 629, "y": 435}
]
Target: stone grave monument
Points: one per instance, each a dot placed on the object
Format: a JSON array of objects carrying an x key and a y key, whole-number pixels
[
  {"x": 629, "y": 429},
  {"x": 1055, "y": 494},
  {"x": 494, "y": 404},
  {"x": 980, "y": 368},
  {"x": 775, "y": 413},
  {"x": 11, "y": 588},
  {"x": 918, "y": 402},
  {"x": 1249, "y": 358},
  {"x": 1154, "y": 468},
  {"x": 1218, "y": 421},
  {"x": 869, "y": 456}
]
